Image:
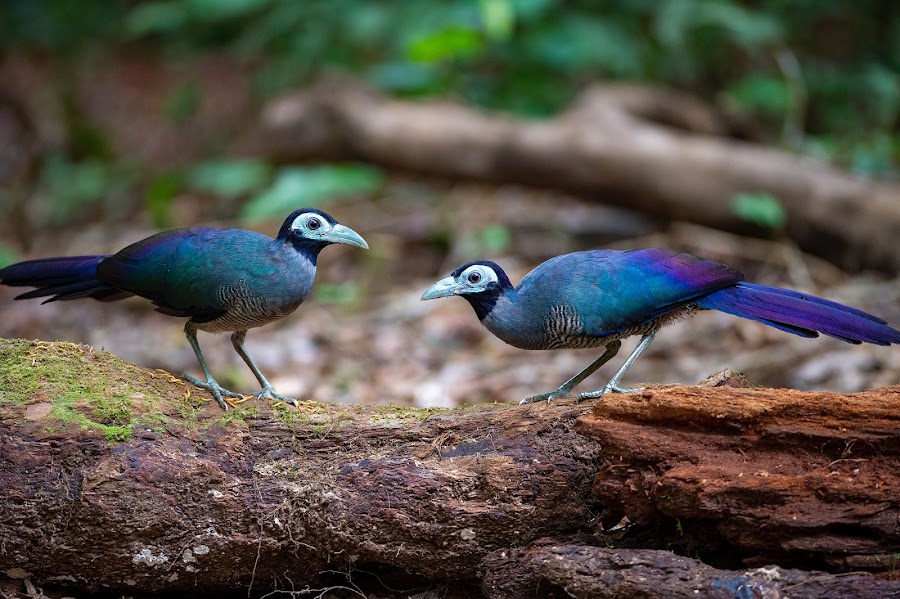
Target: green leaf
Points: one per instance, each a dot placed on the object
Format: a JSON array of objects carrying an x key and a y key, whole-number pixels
[
  {"x": 71, "y": 185},
  {"x": 532, "y": 10},
  {"x": 678, "y": 20},
  {"x": 762, "y": 93},
  {"x": 747, "y": 28},
  {"x": 341, "y": 293},
  {"x": 7, "y": 255},
  {"x": 222, "y": 10},
  {"x": 498, "y": 18},
  {"x": 760, "y": 208},
  {"x": 160, "y": 194},
  {"x": 296, "y": 187},
  {"x": 873, "y": 157},
  {"x": 452, "y": 42},
  {"x": 495, "y": 239},
  {"x": 880, "y": 88},
  {"x": 182, "y": 102},
  {"x": 229, "y": 178},
  {"x": 403, "y": 77},
  {"x": 156, "y": 17},
  {"x": 578, "y": 42}
]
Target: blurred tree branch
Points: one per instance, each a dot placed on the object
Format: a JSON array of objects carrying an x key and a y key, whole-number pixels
[{"x": 644, "y": 148}]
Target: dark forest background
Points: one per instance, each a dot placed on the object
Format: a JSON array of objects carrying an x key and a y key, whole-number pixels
[{"x": 118, "y": 118}]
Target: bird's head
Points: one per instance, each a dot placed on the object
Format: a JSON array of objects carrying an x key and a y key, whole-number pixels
[
  {"x": 309, "y": 230},
  {"x": 481, "y": 283}
]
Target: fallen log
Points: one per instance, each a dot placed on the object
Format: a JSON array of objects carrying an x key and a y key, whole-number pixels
[
  {"x": 771, "y": 476},
  {"x": 549, "y": 570},
  {"x": 118, "y": 479},
  {"x": 649, "y": 150}
]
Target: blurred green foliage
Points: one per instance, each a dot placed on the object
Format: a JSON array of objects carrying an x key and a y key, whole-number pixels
[
  {"x": 822, "y": 76},
  {"x": 760, "y": 208},
  {"x": 310, "y": 186},
  {"x": 7, "y": 255},
  {"x": 337, "y": 293},
  {"x": 72, "y": 184}
]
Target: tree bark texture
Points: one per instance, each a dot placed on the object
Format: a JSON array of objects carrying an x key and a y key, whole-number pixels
[
  {"x": 645, "y": 149},
  {"x": 269, "y": 497},
  {"x": 562, "y": 570}
]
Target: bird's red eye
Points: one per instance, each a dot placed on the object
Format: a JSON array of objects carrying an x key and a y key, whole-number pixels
[
  {"x": 474, "y": 277},
  {"x": 313, "y": 224}
]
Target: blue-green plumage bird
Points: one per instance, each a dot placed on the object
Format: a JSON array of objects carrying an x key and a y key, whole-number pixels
[
  {"x": 595, "y": 298},
  {"x": 220, "y": 279}
]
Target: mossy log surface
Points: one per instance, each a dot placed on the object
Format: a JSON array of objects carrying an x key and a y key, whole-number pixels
[{"x": 120, "y": 479}]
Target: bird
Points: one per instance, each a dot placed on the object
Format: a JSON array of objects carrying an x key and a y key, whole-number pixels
[
  {"x": 221, "y": 280},
  {"x": 596, "y": 298}
]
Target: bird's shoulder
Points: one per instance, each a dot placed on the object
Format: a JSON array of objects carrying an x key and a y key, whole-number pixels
[
  {"x": 616, "y": 267},
  {"x": 617, "y": 290},
  {"x": 568, "y": 270}
]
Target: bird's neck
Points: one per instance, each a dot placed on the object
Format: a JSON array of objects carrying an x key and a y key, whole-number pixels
[
  {"x": 306, "y": 248},
  {"x": 511, "y": 320},
  {"x": 485, "y": 303}
]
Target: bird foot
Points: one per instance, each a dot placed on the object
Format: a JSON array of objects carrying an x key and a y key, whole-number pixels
[
  {"x": 268, "y": 392},
  {"x": 608, "y": 389},
  {"x": 217, "y": 390},
  {"x": 557, "y": 394}
]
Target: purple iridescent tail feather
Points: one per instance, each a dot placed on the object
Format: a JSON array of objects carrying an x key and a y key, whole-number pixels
[
  {"x": 800, "y": 313},
  {"x": 63, "y": 278}
]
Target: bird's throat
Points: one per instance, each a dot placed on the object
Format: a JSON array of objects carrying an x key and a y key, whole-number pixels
[{"x": 483, "y": 303}]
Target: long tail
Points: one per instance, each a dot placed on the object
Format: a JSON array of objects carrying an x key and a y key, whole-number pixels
[
  {"x": 800, "y": 313},
  {"x": 64, "y": 278}
]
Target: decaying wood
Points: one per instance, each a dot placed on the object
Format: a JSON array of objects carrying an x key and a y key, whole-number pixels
[
  {"x": 549, "y": 570},
  {"x": 622, "y": 143},
  {"x": 270, "y": 498},
  {"x": 776, "y": 476}
]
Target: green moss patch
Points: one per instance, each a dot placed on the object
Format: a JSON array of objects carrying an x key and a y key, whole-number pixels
[
  {"x": 48, "y": 387},
  {"x": 82, "y": 387},
  {"x": 401, "y": 414}
]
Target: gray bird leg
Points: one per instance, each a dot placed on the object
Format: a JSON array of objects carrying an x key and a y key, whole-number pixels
[
  {"x": 613, "y": 384},
  {"x": 268, "y": 392},
  {"x": 565, "y": 390},
  {"x": 190, "y": 331}
]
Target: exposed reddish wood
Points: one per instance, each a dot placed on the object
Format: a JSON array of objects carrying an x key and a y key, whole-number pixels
[
  {"x": 610, "y": 142},
  {"x": 780, "y": 475}
]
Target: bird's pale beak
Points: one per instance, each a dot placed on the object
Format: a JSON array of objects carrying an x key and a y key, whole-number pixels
[
  {"x": 443, "y": 288},
  {"x": 345, "y": 235}
]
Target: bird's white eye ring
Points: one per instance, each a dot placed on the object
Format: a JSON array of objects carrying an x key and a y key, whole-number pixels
[
  {"x": 313, "y": 223},
  {"x": 474, "y": 277}
]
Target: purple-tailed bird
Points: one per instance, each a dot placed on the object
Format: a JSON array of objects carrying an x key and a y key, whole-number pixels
[
  {"x": 221, "y": 280},
  {"x": 596, "y": 298}
]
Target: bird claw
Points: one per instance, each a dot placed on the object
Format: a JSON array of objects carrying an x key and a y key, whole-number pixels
[
  {"x": 268, "y": 392},
  {"x": 234, "y": 398},
  {"x": 608, "y": 389},
  {"x": 217, "y": 390},
  {"x": 550, "y": 396}
]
